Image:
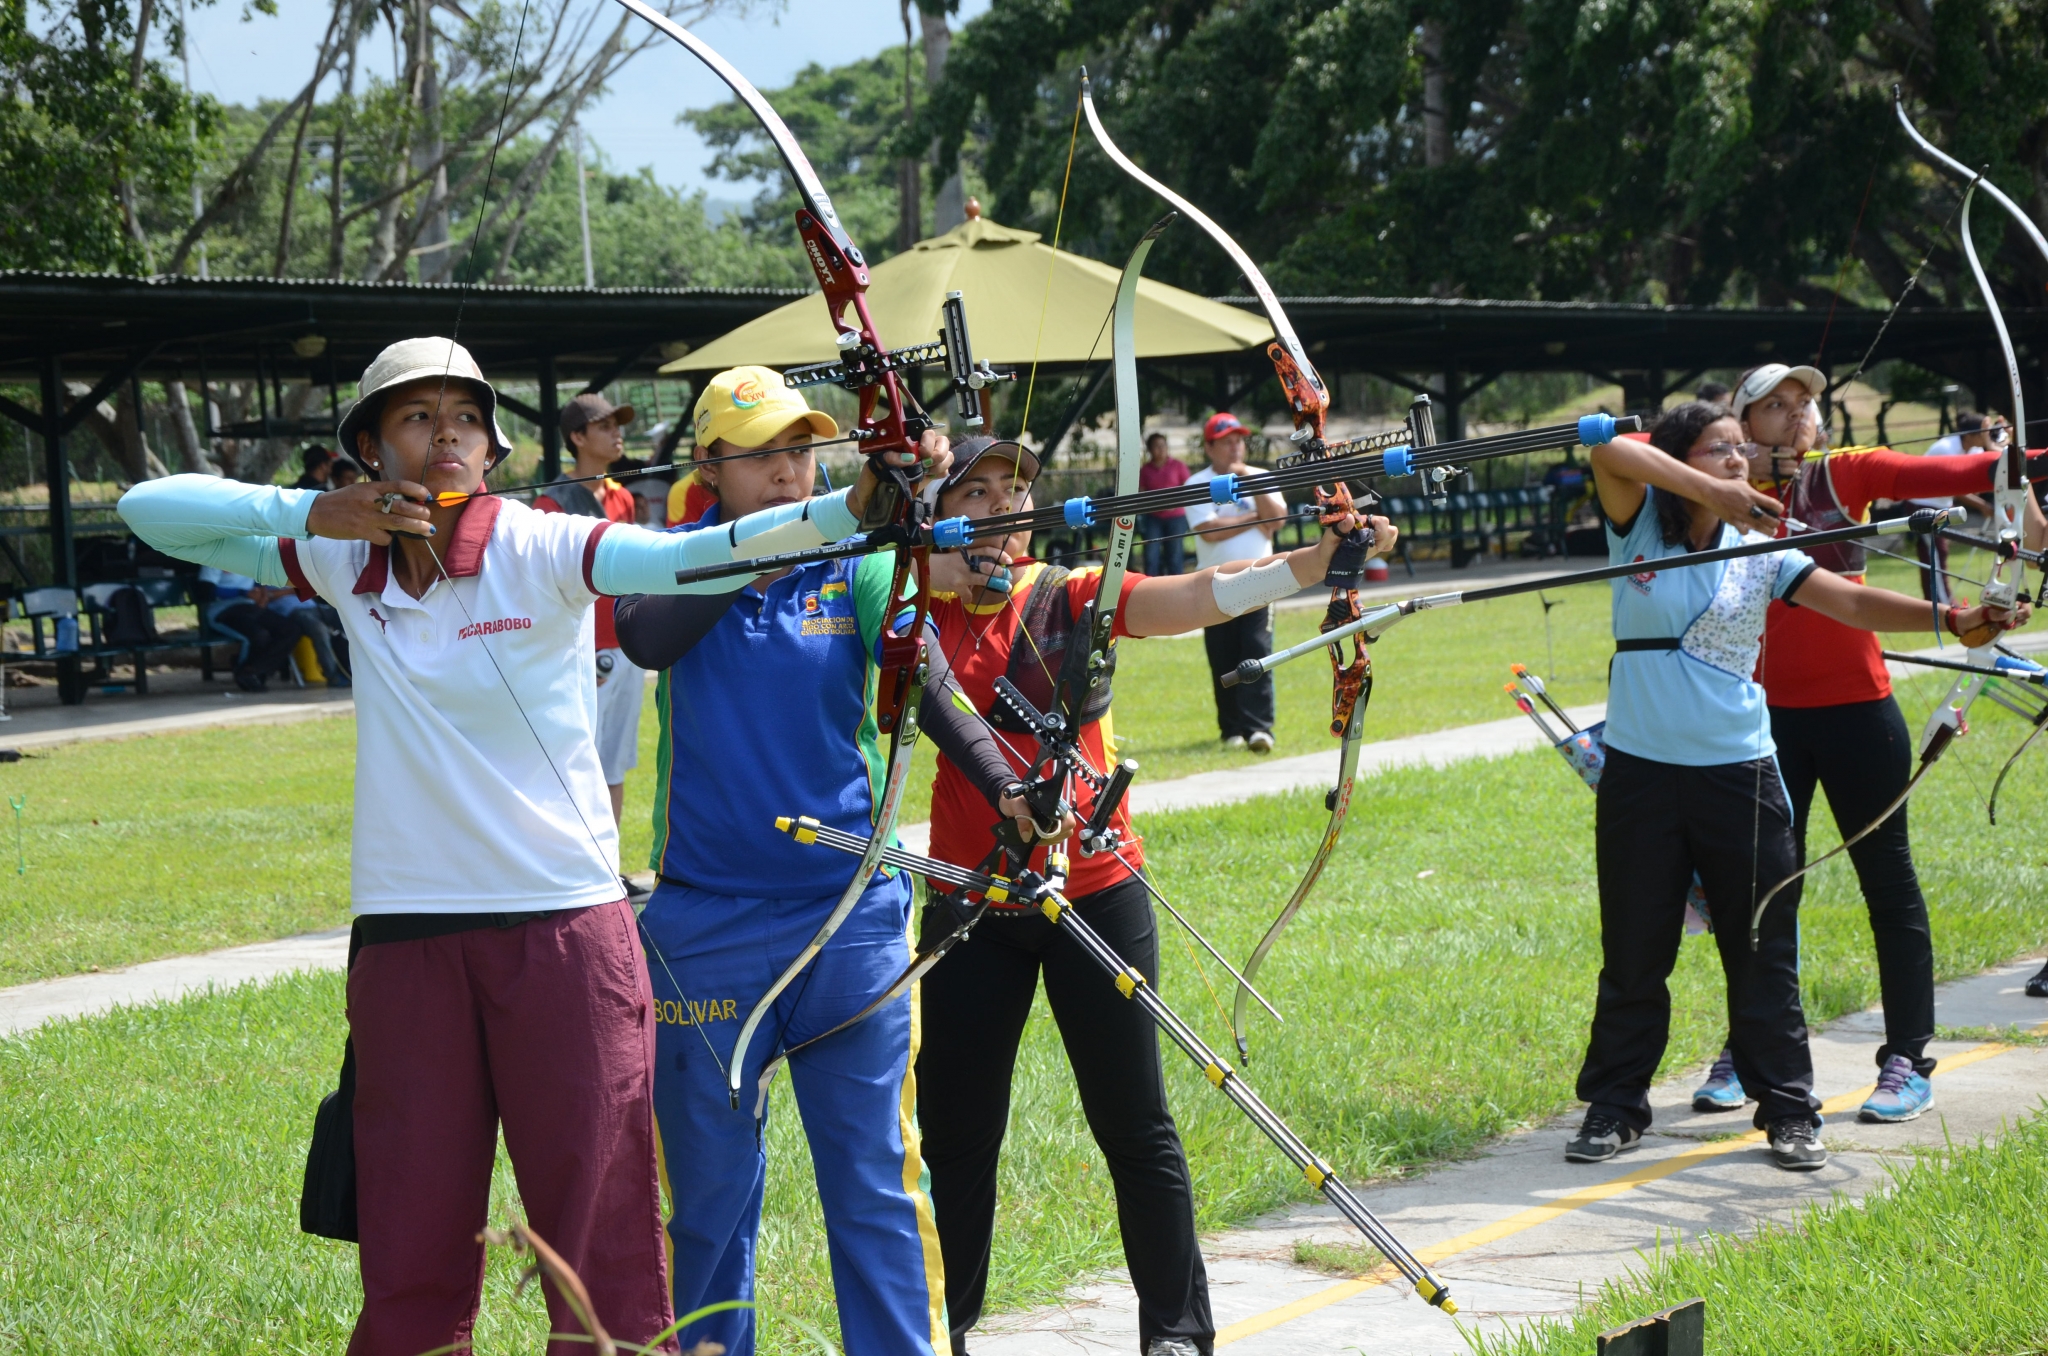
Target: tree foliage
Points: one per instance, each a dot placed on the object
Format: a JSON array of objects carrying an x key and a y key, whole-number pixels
[
  {"x": 849, "y": 121},
  {"x": 1693, "y": 151},
  {"x": 88, "y": 126}
]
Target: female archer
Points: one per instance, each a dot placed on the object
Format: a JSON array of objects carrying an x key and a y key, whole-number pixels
[
  {"x": 999, "y": 617},
  {"x": 1833, "y": 717},
  {"x": 494, "y": 977},
  {"x": 1692, "y": 782},
  {"x": 768, "y": 700}
]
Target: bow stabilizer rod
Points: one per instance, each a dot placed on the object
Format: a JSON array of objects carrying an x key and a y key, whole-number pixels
[
  {"x": 951, "y": 534},
  {"x": 1372, "y": 624},
  {"x": 1134, "y": 986}
]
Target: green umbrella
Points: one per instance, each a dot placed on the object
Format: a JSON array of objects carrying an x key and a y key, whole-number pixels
[{"x": 1002, "y": 275}]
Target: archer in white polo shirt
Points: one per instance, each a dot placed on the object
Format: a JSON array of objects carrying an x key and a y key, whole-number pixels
[
  {"x": 495, "y": 971},
  {"x": 1224, "y": 536}
]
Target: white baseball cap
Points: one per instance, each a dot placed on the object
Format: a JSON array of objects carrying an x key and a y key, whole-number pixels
[
  {"x": 414, "y": 360},
  {"x": 1768, "y": 378}
]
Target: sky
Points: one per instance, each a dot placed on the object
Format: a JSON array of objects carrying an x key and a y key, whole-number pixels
[{"x": 240, "y": 60}]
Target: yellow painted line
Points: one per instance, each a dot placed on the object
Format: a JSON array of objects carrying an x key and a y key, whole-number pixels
[{"x": 1577, "y": 1200}]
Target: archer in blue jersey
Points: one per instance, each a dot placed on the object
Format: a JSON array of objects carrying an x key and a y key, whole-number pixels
[{"x": 767, "y": 699}]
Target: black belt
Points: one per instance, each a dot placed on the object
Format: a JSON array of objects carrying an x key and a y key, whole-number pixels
[
  {"x": 370, "y": 929},
  {"x": 1647, "y": 643}
]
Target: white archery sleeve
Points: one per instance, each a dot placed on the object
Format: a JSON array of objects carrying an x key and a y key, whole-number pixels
[
  {"x": 228, "y": 524},
  {"x": 634, "y": 560},
  {"x": 1254, "y": 587}
]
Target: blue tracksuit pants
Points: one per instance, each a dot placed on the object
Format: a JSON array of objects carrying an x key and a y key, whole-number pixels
[{"x": 855, "y": 1092}]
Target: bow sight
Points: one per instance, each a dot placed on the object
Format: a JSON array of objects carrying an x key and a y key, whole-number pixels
[{"x": 861, "y": 365}]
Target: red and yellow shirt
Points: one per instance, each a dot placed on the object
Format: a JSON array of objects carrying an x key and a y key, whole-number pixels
[{"x": 979, "y": 642}]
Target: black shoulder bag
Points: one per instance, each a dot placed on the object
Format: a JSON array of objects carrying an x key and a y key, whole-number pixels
[{"x": 327, "y": 1202}]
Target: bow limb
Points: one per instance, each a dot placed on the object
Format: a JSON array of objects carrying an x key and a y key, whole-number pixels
[
  {"x": 2040, "y": 724},
  {"x": 2009, "y": 495},
  {"x": 886, "y": 424},
  {"x": 1307, "y": 397},
  {"x": 1339, "y": 801},
  {"x": 1756, "y": 918}
]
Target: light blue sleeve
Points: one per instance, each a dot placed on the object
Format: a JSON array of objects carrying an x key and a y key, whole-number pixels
[
  {"x": 228, "y": 524},
  {"x": 1792, "y": 567},
  {"x": 634, "y": 560}
]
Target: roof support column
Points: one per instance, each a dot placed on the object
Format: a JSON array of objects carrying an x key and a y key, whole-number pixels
[
  {"x": 56, "y": 471},
  {"x": 550, "y": 422}
]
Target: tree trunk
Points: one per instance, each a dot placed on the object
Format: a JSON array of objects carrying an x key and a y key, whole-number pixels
[
  {"x": 431, "y": 247},
  {"x": 197, "y": 457},
  {"x": 949, "y": 204},
  {"x": 1436, "y": 126},
  {"x": 338, "y": 151},
  {"x": 119, "y": 429}
]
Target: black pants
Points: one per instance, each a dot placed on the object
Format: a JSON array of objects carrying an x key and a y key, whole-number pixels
[
  {"x": 1247, "y": 708},
  {"x": 1862, "y": 756},
  {"x": 974, "y": 1006},
  {"x": 1658, "y": 823},
  {"x": 270, "y": 636}
]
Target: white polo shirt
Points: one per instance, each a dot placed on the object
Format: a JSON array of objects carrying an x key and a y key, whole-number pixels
[
  {"x": 457, "y": 809},
  {"x": 1249, "y": 544}
]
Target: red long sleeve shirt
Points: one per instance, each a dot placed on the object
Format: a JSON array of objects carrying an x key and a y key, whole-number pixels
[{"x": 1810, "y": 660}]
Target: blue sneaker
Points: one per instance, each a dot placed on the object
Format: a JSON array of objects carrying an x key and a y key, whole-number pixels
[
  {"x": 1901, "y": 1094},
  {"x": 1723, "y": 1090}
]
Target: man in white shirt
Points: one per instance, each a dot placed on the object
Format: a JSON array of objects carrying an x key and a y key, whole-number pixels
[{"x": 1224, "y": 533}]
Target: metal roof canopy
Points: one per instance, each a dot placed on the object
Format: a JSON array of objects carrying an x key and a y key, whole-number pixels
[
  {"x": 1649, "y": 350},
  {"x": 113, "y": 329}
]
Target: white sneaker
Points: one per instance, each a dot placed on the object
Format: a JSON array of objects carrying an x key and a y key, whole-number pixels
[
  {"x": 1233, "y": 743},
  {"x": 1261, "y": 741}
]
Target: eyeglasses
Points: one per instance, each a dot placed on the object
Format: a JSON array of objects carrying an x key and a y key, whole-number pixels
[{"x": 1747, "y": 451}]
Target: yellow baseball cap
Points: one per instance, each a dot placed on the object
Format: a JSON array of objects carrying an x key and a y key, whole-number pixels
[{"x": 747, "y": 406}]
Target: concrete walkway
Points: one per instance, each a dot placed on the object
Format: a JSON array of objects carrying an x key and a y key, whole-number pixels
[
  {"x": 29, "y": 1005},
  {"x": 1518, "y": 1233}
]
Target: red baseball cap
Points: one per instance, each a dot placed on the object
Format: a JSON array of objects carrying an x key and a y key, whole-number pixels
[{"x": 1222, "y": 425}]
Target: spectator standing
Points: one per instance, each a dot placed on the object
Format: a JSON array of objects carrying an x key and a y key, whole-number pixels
[
  {"x": 268, "y": 637},
  {"x": 304, "y": 616},
  {"x": 317, "y": 465},
  {"x": 1712, "y": 392},
  {"x": 1974, "y": 433},
  {"x": 1165, "y": 542},
  {"x": 596, "y": 430},
  {"x": 343, "y": 474},
  {"x": 1240, "y": 530}
]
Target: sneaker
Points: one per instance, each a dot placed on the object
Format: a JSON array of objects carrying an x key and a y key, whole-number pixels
[
  {"x": 1795, "y": 1144},
  {"x": 1901, "y": 1094},
  {"x": 1260, "y": 741},
  {"x": 2037, "y": 987},
  {"x": 1723, "y": 1090},
  {"x": 1601, "y": 1138},
  {"x": 250, "y": 681},
  {"x": 1233, "y": 743},
  {"x": 1171, "y": 1346}
]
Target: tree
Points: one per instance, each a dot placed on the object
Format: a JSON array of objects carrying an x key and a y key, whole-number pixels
[
  {"x": 1693, "y": 151},
  {"x": 90, "y": 131},
  {"x": 850, "y": 122}
]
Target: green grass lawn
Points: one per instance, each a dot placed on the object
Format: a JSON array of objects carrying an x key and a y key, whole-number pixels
[
  {"x": 1949, "y": 1261},
  {"x": 150, "y": 1160},
  {"x": 174, "y": 844}
]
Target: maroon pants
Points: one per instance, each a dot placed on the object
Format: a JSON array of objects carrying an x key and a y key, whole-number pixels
[{"x": 548, "y": 1027}]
